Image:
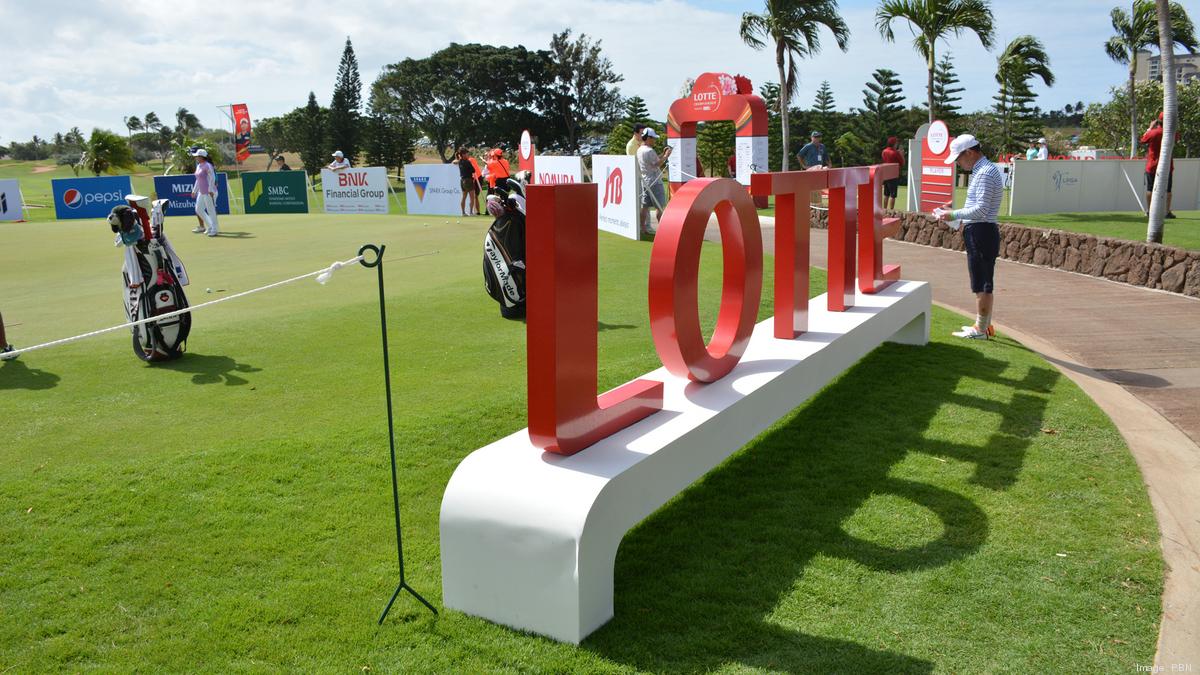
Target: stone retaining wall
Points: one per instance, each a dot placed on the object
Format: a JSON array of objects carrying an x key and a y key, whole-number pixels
[{"x": 1137, "y": 263}]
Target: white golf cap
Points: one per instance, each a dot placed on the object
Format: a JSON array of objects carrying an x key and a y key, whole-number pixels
[
  {"x": 959, "y": 144},
  {"x": 338, "y": 154},
  {"x": 1042, "y": 141},
  {"x": 649, "y": 133},
  {"x": 200, "y": 152}
]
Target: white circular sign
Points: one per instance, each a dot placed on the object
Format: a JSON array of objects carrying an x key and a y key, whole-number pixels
[
  {"x": 527, "y": 145},
  {"x": 938, "y": 137}
]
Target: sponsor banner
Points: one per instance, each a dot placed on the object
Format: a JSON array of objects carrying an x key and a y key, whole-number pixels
[
  {"x": 177, "y": 190},
  {"x": 525, "y": 153},
  {"x": 552, "y": 170},
  {"x": 937, "y": 177},
  {"x": 88, "y": 197},
  {"x": 433, "y": 189},
  {"x": 1070, "y": 186},
  {"x": 10, "y": 200},
  {"x": 275, "y": 192},
  {"x": 241, "y": 137},
  {"x": 354, "y": 191},
  {"x": 618, "y": 193}
]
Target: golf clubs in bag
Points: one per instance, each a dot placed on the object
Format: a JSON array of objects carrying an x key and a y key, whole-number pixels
[
  {"x": 153, "y": 277},
  {"x": 504, "y": 249}
]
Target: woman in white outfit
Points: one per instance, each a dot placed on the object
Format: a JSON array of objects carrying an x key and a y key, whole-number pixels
[{"x": 204, "y": 190}]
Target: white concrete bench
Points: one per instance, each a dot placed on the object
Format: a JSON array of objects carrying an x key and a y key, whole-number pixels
[{"x": 529, "y": 539}]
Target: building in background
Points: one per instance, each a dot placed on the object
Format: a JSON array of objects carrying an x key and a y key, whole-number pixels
[{"x": 1187, "y": 67}]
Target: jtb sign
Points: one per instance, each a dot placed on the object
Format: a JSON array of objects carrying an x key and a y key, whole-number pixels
[
  {"x": 177, "y": 190},
  {"x": 565, "y": 414},
  {"x": 88, "y": 197}
]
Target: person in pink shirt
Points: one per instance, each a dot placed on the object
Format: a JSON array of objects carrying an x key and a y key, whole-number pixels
[{"x": 204, "y": 191}]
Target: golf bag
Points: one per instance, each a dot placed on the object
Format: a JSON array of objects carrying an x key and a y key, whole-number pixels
[
  {"x": 504, "y": 249},
  {"x": 153, "y": 277}
]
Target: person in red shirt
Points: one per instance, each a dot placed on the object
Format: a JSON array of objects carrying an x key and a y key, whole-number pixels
[
  {"x": 1153, "y": 139},
  {"x": 891, "y": 155},
  {"x": 498, "y": 170}
]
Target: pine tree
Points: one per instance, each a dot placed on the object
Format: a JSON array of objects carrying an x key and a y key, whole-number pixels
[
  {"x": 388, "y": 141},
  {"x": 944, "y": 99},
  {"x": 311, "y": 136},
  {"x": 879, "y": 117},
  {"x": 824, "y": 107},
  {"x": 636, "y": 111},
  {"x": 344, "y": 116}
]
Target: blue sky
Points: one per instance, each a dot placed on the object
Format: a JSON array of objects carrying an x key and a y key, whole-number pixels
[{"x": 90, "y": 64}]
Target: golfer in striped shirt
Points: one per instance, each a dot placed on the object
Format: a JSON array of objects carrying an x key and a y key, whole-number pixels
[{"x": 981, "y": 234}]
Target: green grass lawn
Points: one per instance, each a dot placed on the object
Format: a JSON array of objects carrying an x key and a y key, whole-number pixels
[
  {"x": 38, "y": 192},
  {"x": 958, "y": 507}
]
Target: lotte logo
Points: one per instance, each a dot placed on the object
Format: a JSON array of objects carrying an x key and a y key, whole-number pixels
[
  {"x": 72, "y": 198},
  {"x": 612, "y": 187}
]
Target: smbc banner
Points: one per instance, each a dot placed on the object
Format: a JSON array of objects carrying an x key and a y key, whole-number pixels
[{"x": 275, "y": 192}]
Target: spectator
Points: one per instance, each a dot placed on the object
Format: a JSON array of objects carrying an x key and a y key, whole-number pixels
[
  {"x": 651, "y": 165},
  {"x": 466, "y": 180},
  {"x": 1153, "y": 139},
  {"x": 731, "y": 166},
  {"x": 281, "y": 165},
  {"x": 891, "y": 155},
  {"x": 497, "y": 168},
  {"x": 5, "y": 348},
  {"x": 635, "y": 141},
  {"x": 204, "y": 191},
  {"x": 476, "y": 184},
  {"x": 981, "y": 233},
  {"x": 339, "y": 163},
  {"x": 1032, "y": 152},
  {"x": 1043, "y": 151},
  {"x": 813, "y": 154}
]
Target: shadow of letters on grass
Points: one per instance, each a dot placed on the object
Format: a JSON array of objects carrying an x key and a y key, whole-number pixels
[
  {"x": 698, "y": 582},
  {"x": 208, "y": 369}
]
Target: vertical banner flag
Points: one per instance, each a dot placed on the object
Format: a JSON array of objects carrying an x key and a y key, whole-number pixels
[
  {"x": 275, "y": 192},
  {"x": 88, "y": 197},
  {"x": 937, "y": 177},
  {"x": 432, "y": 189},
  {"x": 177, "y": 190},
  {"x": 618, "y": 194},
  {"x": 357, "y": 190},
  {"x": 525, "y": 153},
  {"x": 241, "y": 137},
  {"x": 10, "y": 200}
]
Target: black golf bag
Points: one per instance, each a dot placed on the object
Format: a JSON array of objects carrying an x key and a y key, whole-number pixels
[
  {"x": 154, "y": 278},
  {"x": 504, "y": 250}
]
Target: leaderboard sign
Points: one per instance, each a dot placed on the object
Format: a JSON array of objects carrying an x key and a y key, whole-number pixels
[
  {"x": 177, "y": 190},
  {"x": 937, "y": 177},
  {"x": 356, "y": 190},
  {"x": 88, "y": 197},
  {"x": 275, "y": 192}
]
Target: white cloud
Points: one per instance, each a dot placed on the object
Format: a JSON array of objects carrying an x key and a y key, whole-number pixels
[{"x": 90, "y": 64}]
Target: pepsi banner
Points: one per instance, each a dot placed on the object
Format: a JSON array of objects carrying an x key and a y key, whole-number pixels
[
  {"x": 88, "y": 197},
  {"x": 275, "y": 192},
  {"x": 177, "y": 190},
  {"x": 432, "y": 189},
  {"x": 10, "y": 200}
]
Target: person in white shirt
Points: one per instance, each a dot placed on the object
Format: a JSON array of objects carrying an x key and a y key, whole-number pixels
[
  {"x": 650, "y": 165},
  {"x": 339, "y": 163},
  {"x": 1043, "y": 151},
  {"x": 981, "y": 233}
]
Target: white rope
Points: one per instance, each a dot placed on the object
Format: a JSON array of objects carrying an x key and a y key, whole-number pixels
[{"x": 322, "y": 276}]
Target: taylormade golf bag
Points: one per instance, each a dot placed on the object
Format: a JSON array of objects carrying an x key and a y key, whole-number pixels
[
  {"x": 154, "y": 279},
  {"x": 504, "y": 249}
]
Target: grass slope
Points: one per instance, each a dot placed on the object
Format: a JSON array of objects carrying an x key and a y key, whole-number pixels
[{"x": 955, "y": 507}]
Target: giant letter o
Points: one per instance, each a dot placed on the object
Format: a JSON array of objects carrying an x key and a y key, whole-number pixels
[{"x": 675, "y": 264}]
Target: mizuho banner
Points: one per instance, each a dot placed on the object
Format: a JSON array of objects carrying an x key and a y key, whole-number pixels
[
  {"x": 10, "y": 200},
  {"x": 177, "y": 190},
  {"x": 275, "y": 192},
  {"x": 88, "y": 197},
  {"x": 432, "y": 189},
  {"x": 618, "y": 193},
  {"x": 356, "y": 190}
]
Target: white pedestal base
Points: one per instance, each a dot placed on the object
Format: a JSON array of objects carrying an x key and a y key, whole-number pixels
[{"x": 529, "y": 539}]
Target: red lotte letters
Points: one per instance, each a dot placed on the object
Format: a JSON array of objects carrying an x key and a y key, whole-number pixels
[{"x": 565, "y": 414}]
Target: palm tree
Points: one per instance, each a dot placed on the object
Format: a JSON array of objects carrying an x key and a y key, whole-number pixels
[
  {"x": 793, "y": 25},
  {"x": 1023, "y": 59},
  {"x": 133, "y": 124},
  {"x": 186, "y": 123},
  {"x": 151, "y": 122},
  {"x": 933, "y": 20},
  {"x": 1158, "y": 198},
  {"x": 104, "y": 152},
  {"x": 1136, "y": 31}
]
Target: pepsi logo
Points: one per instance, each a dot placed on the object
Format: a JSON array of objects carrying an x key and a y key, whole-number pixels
[{"x": 72, "y": 198}]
